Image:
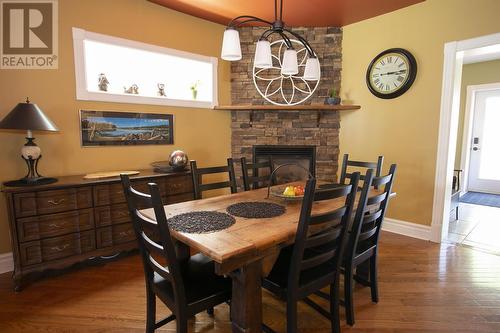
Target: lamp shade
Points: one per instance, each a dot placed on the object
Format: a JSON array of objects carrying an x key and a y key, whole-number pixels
[
  {"x": 289, "y": 65},
  {"x": 27, "y": 116},
  {"x": 312, "y": 70},
  {"x": 231, "y": 49},
  {"x": 263, "y": 58}
]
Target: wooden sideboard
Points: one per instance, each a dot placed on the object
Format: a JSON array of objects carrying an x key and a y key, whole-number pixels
[{"x": 55, "y": 226}]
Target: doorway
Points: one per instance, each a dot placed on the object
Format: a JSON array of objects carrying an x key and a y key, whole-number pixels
[
  {"x": 485, "y": 48},
  {"x": 474, "y": 222}
]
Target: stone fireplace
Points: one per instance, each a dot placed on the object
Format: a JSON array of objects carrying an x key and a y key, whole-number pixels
[{"x": 288, "y": 128}]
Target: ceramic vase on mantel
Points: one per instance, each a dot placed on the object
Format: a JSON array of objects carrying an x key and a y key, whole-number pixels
[{"x": 333, "y": 100}]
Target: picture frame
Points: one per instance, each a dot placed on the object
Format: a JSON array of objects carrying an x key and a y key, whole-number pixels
[{"x": 116, "y": 128}]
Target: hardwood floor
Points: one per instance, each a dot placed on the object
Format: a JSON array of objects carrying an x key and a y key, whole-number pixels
[{"x": 424, "y": 287}]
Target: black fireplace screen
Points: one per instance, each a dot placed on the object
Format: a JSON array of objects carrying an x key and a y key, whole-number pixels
[{"x": 279, "y": 154}]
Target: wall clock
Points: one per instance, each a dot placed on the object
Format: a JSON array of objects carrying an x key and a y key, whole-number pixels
[{"x": 391, "y": 73}]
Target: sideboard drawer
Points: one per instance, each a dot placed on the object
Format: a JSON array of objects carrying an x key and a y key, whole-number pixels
[
  {"x": 49, "y": 249},
  {"x": 114, "y": 214},
  {"x": 108, "y": 194},
  {"x": 42, "y": 226},
  {"x": 115, "y": 234},
  {"x": 53, "y": 201},
  {"x": 178, "y": 185},
  {"x": 178, "y": 198},
  {"x": 113, "y": 193}
]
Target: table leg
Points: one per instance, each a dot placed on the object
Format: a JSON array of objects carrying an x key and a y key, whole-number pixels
[
  {"x": 182, "y": 250},
  {"x": 246, "y": 303}
]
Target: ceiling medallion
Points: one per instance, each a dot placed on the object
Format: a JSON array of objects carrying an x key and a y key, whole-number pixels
[{"x": 282, "y": 73}]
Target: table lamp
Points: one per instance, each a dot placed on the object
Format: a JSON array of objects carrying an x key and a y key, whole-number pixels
[{"x": 29, "y": 117}]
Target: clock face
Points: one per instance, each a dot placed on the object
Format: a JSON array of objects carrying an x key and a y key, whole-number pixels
[{"x": 391, "y": 73}]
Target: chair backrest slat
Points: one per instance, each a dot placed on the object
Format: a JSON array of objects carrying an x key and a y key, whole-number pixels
[
  {"x": 153, "y": 237},
  {"x": 327, "y": 217},
  {"x": 370, "y": 214},
  {"x": 318, "y": 259},
  {"x": 159, "y": 269},
  {"x": 260, "y": 172},
  {"x": 376, "y": 199},
  {"x": 344, "y": 174},
  {"x": 320, "y": 237},
  {"x": 360, "y": 164},
  {"x": 198, "y": 173},
  {"x": 367, "y": 234},
  {"x": 323, "y": 237},
  {"x": 370, "y": 217},
  {"x": 151, "y": 245},
  {"x": 214, "y": 186},
  {"x": 378, "y": 181}
]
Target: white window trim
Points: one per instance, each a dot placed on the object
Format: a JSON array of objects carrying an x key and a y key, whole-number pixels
[{"x": 79, "y": 35}]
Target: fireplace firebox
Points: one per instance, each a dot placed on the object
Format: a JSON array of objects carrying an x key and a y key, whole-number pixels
[{"x": 304, "y": 156}]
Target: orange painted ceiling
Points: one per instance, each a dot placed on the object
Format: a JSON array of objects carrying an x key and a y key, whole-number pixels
[{"x": 309, "y": 13}]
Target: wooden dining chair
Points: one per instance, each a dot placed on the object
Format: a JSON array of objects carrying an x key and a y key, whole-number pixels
[
  {"x": 313, "y": 262},
  {"x": 362, "y": 246},
  {"x": 187, "y": 286},
  {"x": 253, "y": 177},
  {"x": 198, "y": 173},
  {"x": 346, "y": 163}
]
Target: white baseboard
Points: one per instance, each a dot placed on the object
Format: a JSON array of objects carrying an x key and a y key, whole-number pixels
[
  {"x": 6, "y": 262},
  {"x": 409, "y": 229}
]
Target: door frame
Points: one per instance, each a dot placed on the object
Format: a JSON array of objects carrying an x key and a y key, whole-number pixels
[
  {"x": 448, "y": 128},
  {"x": 469, "y": 114}
]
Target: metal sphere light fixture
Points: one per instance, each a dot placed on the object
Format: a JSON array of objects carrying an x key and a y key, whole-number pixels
[{"x": 231, "y": 49}]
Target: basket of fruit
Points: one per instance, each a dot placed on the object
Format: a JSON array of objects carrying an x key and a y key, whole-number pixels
[{"x": 289, "y": 192}]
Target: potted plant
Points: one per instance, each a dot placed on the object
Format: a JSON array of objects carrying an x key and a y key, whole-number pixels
[
  {"x": 333, "y": 97},
  {"x": 194, "y": 89}
]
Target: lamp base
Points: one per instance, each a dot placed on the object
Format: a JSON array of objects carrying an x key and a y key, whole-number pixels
[{"x": 34, "y": 181}]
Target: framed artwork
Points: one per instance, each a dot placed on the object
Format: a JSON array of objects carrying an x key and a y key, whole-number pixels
[{"x": 111, "y": 128}]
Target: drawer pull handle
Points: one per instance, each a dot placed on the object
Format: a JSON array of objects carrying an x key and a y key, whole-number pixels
[
  {"x": 56, "y": 202},
  {"x": 54, "y": 225},
  {"x": 59, "y": 248},
  {"x": 125, "y": 233},
  {"x": 122, "y": 213}
]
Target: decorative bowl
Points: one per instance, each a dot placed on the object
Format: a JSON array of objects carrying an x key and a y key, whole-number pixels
[{"x": 277, "y": 191}]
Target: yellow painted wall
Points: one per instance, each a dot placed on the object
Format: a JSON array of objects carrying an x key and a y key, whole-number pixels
[
  {"x": 473, "y": 74},
  {"x": 405, "y": 129},
  {"x": 204, "y": 134}
]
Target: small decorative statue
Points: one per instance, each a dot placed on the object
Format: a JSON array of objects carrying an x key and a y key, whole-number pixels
[
  {"x": 103, "y": 82},
  {"x": 161, "y": 90},
  {"x": 194, "y": 89},
  {"x": 134, "y": 89}
]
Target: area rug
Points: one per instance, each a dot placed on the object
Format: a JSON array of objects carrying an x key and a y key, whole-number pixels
[{"x": 484, "y": 199}]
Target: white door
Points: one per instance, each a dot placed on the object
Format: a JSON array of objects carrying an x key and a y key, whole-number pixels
[{"x": 484, "y": 171}]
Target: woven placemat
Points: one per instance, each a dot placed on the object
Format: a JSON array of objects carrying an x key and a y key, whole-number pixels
[
  {"x": 201, "y": 222},
  {"x": 256, "y": 209}
]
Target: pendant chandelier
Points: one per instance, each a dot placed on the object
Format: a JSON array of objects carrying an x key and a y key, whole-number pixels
[{"x": 231, "y": 49}]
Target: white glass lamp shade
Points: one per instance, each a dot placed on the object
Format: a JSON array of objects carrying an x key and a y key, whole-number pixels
[
  {"x": 289, "y": 65},
  {"x": 263, "y": 58},
  {"x": 312, "y": 70},
  {"x": 231, "y": 49}
]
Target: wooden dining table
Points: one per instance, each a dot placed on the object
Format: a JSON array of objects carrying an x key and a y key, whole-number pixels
[{"x": 247, "y": 250}]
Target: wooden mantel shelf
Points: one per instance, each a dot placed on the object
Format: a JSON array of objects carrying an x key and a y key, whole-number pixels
[{"x": 312, "y": 107}]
